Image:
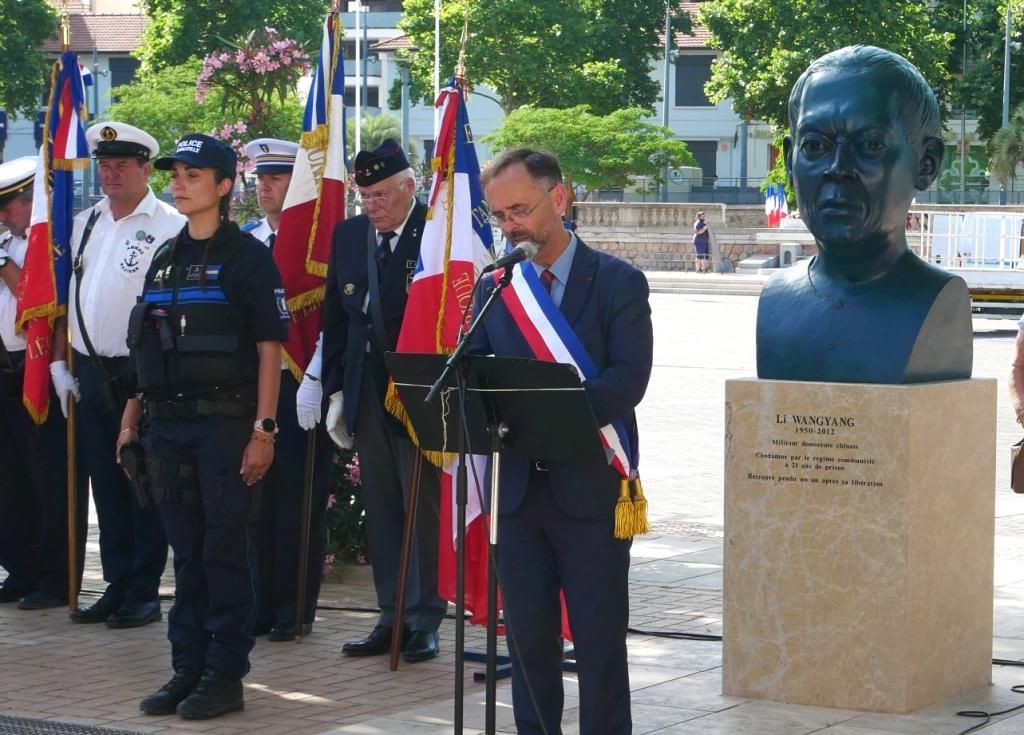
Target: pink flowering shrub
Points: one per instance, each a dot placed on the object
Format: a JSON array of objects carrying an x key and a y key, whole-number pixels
[
  {"x": 346, "y": 520},
  {"x": 256, "y": 80}
]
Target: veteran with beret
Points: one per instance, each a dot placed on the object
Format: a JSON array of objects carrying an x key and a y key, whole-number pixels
[
  {"x": 374, "y": 256},
  {"x": 112, "y": 245},
  {"x": 33, "y": 460}
]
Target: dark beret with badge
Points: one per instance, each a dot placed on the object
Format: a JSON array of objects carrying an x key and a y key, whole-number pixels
[
  {"x": 202, "y": 151},
  {"x": 382, "y": 162},
  {"x": 16, "y": 177},
  {"x": 120, "y": 140}
]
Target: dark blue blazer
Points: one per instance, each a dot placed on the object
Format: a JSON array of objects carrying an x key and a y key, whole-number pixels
[
  {"x": 606, "y": 303},
  {"x": 346, "y": 328}
]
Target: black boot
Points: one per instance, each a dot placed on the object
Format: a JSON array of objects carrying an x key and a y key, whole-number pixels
[
  {"x": 214, "y": 695},
  {"x": 165, "y": 700}
]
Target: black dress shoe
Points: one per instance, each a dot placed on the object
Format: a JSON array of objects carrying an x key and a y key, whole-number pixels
[
  {"x": 375, "y": 644},
  {"x": 422, "y": 645},
  {"x": 98, "y": 612},
  {"x": 135, "y": 615},
  {"x": 214, "y": 695},
  {"x": 41, "y": 601},
  {"x": 165, "y": 700},
  {"x": 12, "y": 593},
  {"x": 287, "y": 632}
]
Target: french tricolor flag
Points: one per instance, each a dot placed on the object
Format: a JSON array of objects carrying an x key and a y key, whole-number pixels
[
  {"x": 456, "y": 245},
  {"x": 315, "y": 201},
  {"x": 775, "y": 207},
  {"x": 43, "y": 285}
]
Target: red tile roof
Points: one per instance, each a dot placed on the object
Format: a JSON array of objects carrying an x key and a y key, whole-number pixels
[
  {"x": 120, "y": 33},
  {"x": 392, "y": 44},
  {"x": 700, "y": 36}
]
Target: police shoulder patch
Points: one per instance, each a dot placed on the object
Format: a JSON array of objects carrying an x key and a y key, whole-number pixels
[{"x": 282, "y": 304}]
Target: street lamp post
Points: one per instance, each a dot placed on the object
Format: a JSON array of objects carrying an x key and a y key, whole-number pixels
[
  {"x": 963, "y": 116},
  {"x": 664, "y": 94},
  {"x": 1006, "y": 86}
]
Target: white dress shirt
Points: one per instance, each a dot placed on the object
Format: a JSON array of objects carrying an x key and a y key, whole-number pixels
[
  {"x": 14, "y": 342},
  {"x": 115, "y": 261},
  {"x": 262, "y": 231}
]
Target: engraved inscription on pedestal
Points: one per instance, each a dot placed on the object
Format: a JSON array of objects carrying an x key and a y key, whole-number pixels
[{"x": 815, "y": 449}]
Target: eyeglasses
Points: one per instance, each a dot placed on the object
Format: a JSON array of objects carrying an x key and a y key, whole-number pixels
[
  {"x": 377, "y": 201},
  {"x": 517, "y": 213}
]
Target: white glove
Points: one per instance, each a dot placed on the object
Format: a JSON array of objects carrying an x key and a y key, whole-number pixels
[
  {"x": 307, "y": 402},
  {"x": 64, "y": 383},
  {"x": 335, "y": 425}
]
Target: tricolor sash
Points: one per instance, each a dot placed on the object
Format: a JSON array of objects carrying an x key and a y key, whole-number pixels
[{"x": 551, "y": 338}]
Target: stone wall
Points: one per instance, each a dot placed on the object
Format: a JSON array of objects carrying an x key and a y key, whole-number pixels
[
  {"x": 656, "y": 236},
  {"x": 660, "y": 236}
]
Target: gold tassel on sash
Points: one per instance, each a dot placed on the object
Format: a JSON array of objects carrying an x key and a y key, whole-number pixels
[{"x": 631, "y": 509}]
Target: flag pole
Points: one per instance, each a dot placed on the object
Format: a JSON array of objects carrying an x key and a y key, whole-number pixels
[
  {"x": 307, "y": 509},
  {"x": 415, "y": 473},
  {"x": 72, "y": 486}
]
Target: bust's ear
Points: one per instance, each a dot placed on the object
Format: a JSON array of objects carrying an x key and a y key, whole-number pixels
[
  {"x": 787, "y": 153},
  {"x": 930, "y": 163}
]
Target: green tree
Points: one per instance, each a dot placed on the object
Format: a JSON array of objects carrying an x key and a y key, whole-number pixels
[
  {"x": 1008, "y": 148},
  {"x": 374, "y": 131},
  {"x": 766, "y": 46},
  {"x": 164, "y": 104},
  {"x": 595, "y": 151},
  {"x": 983, "y": 83},
  {"x": 26, "y": 24},
  {"x": 548, "y": 53},
  {"x": 181, "y": 29}
]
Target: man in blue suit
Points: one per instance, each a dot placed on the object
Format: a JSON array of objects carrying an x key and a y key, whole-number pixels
[
  {"x": 372, "y": 262},
  {"x": 556, "y": 520}
]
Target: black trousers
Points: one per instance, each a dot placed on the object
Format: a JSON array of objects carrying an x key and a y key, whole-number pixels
[
  {"x": 543, "y": 551},
  {"x": 281, "y": 517},
  {"x": 133, "y": 546},
  {"x": 33, "y": 493},
  {"x": 213, "y": 538},
  {"x": 385, "y": 459}
]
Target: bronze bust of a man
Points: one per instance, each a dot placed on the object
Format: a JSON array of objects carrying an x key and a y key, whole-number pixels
[{"x": 864, "y": 138}]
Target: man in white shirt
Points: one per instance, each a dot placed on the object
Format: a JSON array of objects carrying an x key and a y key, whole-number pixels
[
  {"x": 112, "y": 246},
  {"x": 33, "y": 460},
  {"x": 281, "y": 505}
]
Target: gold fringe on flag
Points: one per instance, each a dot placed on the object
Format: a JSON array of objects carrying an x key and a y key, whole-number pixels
[
  {"x": 316, "y": 138},
  {"x": 70, "y": 164},
  {"x": 393, "y": 405}
]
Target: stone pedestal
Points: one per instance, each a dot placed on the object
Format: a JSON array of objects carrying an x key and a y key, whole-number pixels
[{"x": 859, "y": 526}]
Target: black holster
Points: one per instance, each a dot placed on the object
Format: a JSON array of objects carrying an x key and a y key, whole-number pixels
[{"x": 133, "y": 461}]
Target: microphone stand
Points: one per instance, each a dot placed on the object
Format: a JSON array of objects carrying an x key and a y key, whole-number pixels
[
  {"x": 456, "y": 357},
  {"x": 456, "y": 361}
]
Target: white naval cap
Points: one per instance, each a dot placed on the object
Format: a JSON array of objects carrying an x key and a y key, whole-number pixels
[
  {"x": 16, "y": 176},
  {"x": 120, "y": 140},
  {"x": 272, "y": 156}
]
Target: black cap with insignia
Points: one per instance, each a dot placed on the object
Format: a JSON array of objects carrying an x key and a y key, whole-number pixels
[{"x": 384, "y": 161}]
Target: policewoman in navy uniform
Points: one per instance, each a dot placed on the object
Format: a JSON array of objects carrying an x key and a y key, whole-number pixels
[
  {"x": 206, "y": 338},
  {"x": 281, "y": 508}
]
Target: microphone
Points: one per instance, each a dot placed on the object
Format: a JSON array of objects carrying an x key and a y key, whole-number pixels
[{"x": 523, "y": 251}]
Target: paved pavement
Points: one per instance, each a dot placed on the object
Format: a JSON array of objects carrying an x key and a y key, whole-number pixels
[{"x": 51, "y": 669}]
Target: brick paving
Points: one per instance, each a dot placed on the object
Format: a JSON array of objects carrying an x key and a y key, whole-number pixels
[{"x": 51, "y": 669}]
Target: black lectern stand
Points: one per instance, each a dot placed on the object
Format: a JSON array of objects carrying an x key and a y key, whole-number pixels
[{"x": 517, "y": 406}]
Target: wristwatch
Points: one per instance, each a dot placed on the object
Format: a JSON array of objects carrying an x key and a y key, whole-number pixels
[{"x": 266, "y": 426}]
